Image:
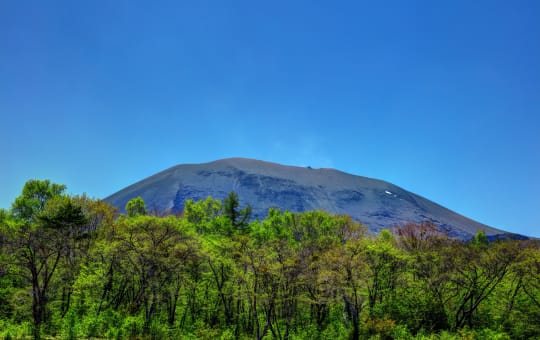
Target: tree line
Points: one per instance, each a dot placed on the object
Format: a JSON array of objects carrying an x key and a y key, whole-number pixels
[{"x": 74, "y": 267}]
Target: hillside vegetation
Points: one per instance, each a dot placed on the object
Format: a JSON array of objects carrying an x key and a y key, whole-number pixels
[{"x": 73, "y": 267}]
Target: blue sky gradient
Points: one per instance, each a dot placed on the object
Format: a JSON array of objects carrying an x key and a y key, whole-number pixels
[{"x": 440, "y": 98}]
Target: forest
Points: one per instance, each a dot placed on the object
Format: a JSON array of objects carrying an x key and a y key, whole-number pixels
[{"x": 74, "y": 267}]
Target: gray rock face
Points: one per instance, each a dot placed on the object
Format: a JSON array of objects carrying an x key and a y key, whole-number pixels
[{"x": 263, "y": 185}]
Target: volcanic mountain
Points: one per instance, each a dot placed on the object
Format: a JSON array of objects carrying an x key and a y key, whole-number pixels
[{"x": 375, "y": 203}]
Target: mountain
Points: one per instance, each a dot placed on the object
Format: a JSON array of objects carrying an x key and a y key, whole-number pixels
[{"x": 375, "y": 203}]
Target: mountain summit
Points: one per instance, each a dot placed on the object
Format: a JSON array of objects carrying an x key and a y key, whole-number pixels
[{"x": 375, "y": 203}]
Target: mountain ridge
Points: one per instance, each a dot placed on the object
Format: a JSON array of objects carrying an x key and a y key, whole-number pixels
[{"x": 376, "y": 203}]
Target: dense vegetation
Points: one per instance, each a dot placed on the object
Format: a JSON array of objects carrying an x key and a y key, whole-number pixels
[{"x": 72, "y": 267}]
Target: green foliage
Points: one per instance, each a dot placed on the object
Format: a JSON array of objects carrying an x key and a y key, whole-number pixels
[
  {"x": 62, "y": 213},
  {"x": 33, "y": 198},
  {"x": 71, "y": 267},
  {"x": 202, "y": 213},
  {"x": 237, "y": 217},
  {"x": 135, "y": 207},
  {"x": 480, "y": 238}
]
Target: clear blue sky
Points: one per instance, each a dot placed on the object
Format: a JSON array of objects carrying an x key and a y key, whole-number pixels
[{"x": 440, "y": 98}]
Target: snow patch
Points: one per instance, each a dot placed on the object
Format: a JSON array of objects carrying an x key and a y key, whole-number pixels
[{"x": 388, "y": 192}]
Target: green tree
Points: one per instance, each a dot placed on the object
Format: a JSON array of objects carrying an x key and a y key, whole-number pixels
[
  {"x": 431, "y": 264},
  {"x": 231, "y": 209},
  {"x": 478, "y": 269},
  {"x": 135, "y": 207},
  {"x": 480, "y": 238},
  {"x": 344, "y": 275},
  {"x": 155, "y": 251},
  {"x": 45, "y": 225},
  {"x": 202, "y": 214},
  {"x": 387, "y": 265},
  {"x": 66, "y": 218},
  {"x": 33, "y": 198}
]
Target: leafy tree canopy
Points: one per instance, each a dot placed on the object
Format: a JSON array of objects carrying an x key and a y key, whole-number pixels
[{"x": 135, "y": 207}]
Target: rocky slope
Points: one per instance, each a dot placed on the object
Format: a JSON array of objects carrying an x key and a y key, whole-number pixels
[{"x": 375, "y": 203}]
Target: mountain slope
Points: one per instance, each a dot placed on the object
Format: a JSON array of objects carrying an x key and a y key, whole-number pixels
[{"x": 375, "y": 203}]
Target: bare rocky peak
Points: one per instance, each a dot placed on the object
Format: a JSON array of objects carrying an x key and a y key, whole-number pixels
[{"x": 263, "y": 185}]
